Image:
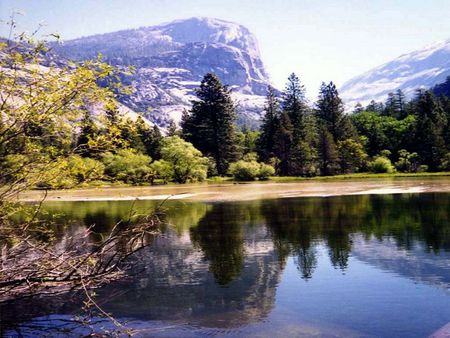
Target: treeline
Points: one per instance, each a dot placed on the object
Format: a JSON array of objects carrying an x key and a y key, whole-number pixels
[
  {"x": 66, "y": 130},
  {"x": 300, "y": 139}
]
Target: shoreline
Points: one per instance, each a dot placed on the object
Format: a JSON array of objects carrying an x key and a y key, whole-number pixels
[{"x": 218, "y": 192}]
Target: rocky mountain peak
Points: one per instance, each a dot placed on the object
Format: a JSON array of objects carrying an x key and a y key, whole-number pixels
[{"x": 170, "y": 60}]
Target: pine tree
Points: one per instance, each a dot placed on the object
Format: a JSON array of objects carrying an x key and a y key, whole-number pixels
[
  {"x": 431, "y": 121},
  {"x": 400, "y": 104},
  {"x": 330, "y": 113},
  {"x": 172, "y": 129},
  {"x": 209, "y": 125},
  {"x": 283, "y": 143},
  {"x": 328, "y": 155},
  {"x": 88, "y": 131},
  {"x": 302, "y": 152},
  {"x": 150, "y": 137},
  {"x": 358, "y": 108},
  {"x": 294, "y": 105},
  {"x": 266, "y": 140}
]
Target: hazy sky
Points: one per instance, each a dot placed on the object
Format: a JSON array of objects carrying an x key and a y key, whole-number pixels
[{"x": 320, "y": 40}]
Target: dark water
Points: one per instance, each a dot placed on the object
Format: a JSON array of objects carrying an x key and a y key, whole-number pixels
[{"x": 354, "y": 266}]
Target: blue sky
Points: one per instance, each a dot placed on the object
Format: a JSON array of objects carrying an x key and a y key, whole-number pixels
[{"x": 320, "y": 40}]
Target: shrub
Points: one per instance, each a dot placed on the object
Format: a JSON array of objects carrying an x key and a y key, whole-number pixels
[
  {"x": 381, "y": 165},
  {"x": 128, "y": 166},
  {"x": 250, "y": 170},
  {"x": 187, "y": 163},
  {"x": 352, "y": 156},
  {"x": 265, "y": 171},
  {"x": 244, "y": 171},
  {"x": 163, "y": 170},
  {"x": 445, "y": 163},
  {"x": 407, "y": 162},
  {"x": 85, "y": 169}
]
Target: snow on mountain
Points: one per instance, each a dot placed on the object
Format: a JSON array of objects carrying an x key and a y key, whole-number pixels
[
  {"x": 171, "y": 59},
  {"x": 420, "y": 69}
]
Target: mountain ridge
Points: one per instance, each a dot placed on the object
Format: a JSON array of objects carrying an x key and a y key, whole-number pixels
[
  {"x": 422, "y": 68},
  {"x": 170, "y": 60}
]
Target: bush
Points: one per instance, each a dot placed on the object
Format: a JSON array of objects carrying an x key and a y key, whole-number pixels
[
  {"x": 128, "y": 166},
  {"x": 250, "y": 170},
  {"x": 381, "y": 165},
  {"x": 85, "y": 169},
  {"x": 163, "y": 170},
  {"x": 407, "y": 162},
  {"x": 244, "y": 171},
  {"x": 445, "y": 163},
  {"x": 265, "y": 171},
  {"x": 187, "y": 163}
]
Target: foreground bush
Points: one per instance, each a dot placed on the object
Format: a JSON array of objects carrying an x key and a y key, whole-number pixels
[
  {"x": 381, "y": 165},
  {"x": 250, "y": 170}
]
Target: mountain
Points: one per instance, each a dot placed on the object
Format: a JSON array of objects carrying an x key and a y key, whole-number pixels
[
  {"x": 420, "y": 69},
  {"x": 171, "y": 59}
]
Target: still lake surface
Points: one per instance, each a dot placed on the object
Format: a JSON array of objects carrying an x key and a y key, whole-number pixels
[{"x": 349, "y": 266}]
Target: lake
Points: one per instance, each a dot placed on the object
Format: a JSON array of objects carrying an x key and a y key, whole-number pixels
[{"x": 341, "y": 266}]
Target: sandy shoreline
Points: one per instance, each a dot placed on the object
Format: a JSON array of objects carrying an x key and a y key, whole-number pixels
[{"x": 245, "y": 191}]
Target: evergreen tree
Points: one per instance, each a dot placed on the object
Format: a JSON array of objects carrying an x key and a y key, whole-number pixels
[
  {"x": 172, "y": 129},
  {"x": 395, "y": 105},
  {"x": 330, "y": 113},
  {"x": 328, "y": 155},
  {"x": 283, "y": 144},
  {"x": 209, "y": 125},
  {"x": 150, "y": 137},
  {"x": 302, "y": 151},
  {"x": 270, "y": 121},
  {"x": 431, "y": 121},
  {"x": 88, "y": 132},
  {"x": 358, "y": 108},
  {"x": 376, "y": 107},
  {"x": 294, "y": 105},
  {"x": 400, "y": 104}
]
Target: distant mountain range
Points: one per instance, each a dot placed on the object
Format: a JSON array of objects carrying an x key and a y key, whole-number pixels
[
  {"x": 171, "y": 59},
  {"x": 423, "y": 68}
]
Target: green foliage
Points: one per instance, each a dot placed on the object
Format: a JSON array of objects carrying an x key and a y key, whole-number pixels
[
  {"x": 384, "y": 132},
  {"x": 244, "y": 171},
  {"x": 328, "y": 156},
  {"x": 407, "y": 162},
  {"x": 430, "y": 132},
  {"x": 381, "y": 165},
  {"x": 85, "y": 170},
  {"x": 265, "y": 143},
  {"x": 249, "y": 170},
  {"x": 445, "y": 162},
  {"x": 265, "y": 171},
  {"x": 41, "y": 109},
  {"x": 352, "y": 156},
  {"x": 163, "y": 170},
  {"x": 186, "y": 163},
  {"x": 209, "y": 125},
  {"x": 128, "y": 166}
]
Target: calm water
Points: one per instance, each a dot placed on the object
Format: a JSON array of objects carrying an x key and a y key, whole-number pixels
[{"x": 355, "y": 266}]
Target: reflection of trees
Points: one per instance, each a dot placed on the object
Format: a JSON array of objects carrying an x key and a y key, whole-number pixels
[{"x": 220, "y": 236}]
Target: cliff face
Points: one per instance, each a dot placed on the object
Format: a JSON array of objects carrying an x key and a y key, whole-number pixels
[{"x": 171, "y": 59}]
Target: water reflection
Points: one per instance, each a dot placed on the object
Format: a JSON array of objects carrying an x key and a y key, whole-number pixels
[{"x": 220, "y": 265}]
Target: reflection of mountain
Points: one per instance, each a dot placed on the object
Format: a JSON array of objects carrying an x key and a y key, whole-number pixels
[
  {"x": 178, "y": 283},
  {"x": 415, "y": 262}
]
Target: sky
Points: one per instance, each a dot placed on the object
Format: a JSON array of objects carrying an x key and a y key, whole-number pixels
[{"x": 319, "y": 40}]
